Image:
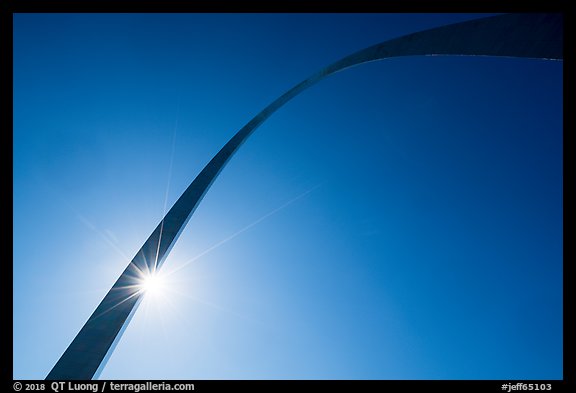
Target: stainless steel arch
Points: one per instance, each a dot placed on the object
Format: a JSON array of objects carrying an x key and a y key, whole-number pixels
[{"x": 511, "y": 35}]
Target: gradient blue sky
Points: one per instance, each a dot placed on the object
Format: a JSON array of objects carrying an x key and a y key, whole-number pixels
[{"x": 400, "y": 220}]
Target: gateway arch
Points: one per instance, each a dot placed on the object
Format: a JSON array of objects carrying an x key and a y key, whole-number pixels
[{"x": 538, "y": 36}]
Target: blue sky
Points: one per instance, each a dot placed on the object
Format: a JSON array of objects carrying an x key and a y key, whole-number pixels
[{"x": 399, "y": 220}]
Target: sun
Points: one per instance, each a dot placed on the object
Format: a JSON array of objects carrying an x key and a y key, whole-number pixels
[
  {"x": 152, "y": 284},
  {"x": 158, "y": 292}
]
